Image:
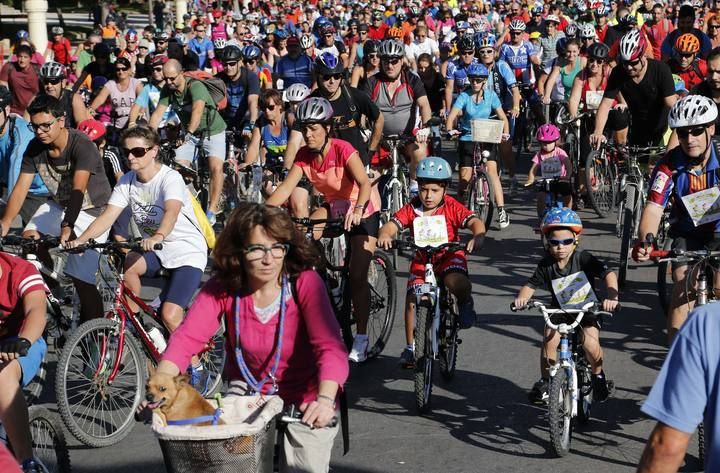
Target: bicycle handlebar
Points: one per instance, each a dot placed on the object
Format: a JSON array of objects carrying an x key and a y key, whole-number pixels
[
  {"x": 311, "y": 222},
  {"x": 680, "y": 254},
  {"x": 590, "y": 307},
  {"x": 30, "y": 243},
  {"x": 294, "y": 416},
  {"x": 409, "y": 245},
  {"x": 111, "y": 245}
]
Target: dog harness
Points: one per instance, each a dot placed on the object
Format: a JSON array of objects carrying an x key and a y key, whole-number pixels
[{"x": 197, "y": 420}]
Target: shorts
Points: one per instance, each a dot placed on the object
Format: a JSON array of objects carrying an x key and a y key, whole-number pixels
[
  {"x": 182, "y": 282},
  {"x": 443, "y": 264},
  {"x": 466, "y": 152},
  {"x": 589, "y": 320},
  {"x": 369, "y": 226},
  {"x": 692, "y": 244},
  {"x": 47, "y": 219},
  {"x": 30, "y": 363},
  {"x": 214, "y": 146}
]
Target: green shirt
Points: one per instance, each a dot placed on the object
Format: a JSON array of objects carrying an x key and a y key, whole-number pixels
[
  {"x": 211, "y": 120},
  {"x": 84, "y": 58}
]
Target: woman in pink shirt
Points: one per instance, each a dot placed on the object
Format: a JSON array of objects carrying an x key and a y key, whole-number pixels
[{"x": 277, "y": 342}]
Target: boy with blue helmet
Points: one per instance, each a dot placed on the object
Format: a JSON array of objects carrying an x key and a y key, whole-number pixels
[
  {"x": 433, "y": 176},
  {"x": 567, "y": 273}
]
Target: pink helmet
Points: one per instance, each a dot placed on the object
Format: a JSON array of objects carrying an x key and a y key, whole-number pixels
[{"x": 547, "y": 133}]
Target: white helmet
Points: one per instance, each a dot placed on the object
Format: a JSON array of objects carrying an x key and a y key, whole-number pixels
[
  {"x": 314, "y": 110},
  {"x": 571, "y": 29},
  {"x": 632, "y": 45},
  {"x": 297, "y": 92},
  {"x": 306, "y": 41},
  {"x": 391, "y": 48},
  {"x": 586, "y": 30},
  {"x": 691, "y": 111},
  {"x": 52, "y": 70},
  {"x": 219, "y": 43},
  {"x": 57, "y": 30},
  {"x": 517, "y": 25}
]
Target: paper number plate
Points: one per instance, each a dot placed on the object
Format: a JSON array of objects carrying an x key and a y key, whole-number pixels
[
  {"x": 486, "y": 130},
  {"x": 430, "y": 231}
]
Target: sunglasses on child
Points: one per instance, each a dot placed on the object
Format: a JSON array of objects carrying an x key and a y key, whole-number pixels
[{"x": 564, "y": 242}]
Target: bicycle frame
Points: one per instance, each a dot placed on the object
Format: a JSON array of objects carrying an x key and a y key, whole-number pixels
[
  {"x": 431, "y": 291},
  {"x": 396, "y": 175}
]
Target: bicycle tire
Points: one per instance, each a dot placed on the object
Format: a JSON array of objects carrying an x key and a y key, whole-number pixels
[
  {"x": 571, "y": 150},
  {"x": 48, "y": 440},
  {"x": 449, "y": 341},
  {"x": 83, "y": 425},
  {"x": 423, "y": 357},
  {"x": 585, "y": 394},
  {"x": 214, "y": 361},
  {"x": 664, "y": 276},
  {"x": 701, "y": 445},
  {"x": 627, "y": 230},
  {"x": 560, "y": 412},
  {"x": 382, "y": 303},
  {"x": 599, "y": 183},
  {"x": 396, "y": 203}
]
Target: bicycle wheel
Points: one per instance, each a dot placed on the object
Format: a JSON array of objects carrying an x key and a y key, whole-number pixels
[
  {"x": 213, "y": 361},
  {"x": 481, "y": 200},
  {"x": 585, "y": 396},
  {"x": 383, "y": 300},
  {"x": 701, "y": 445},
  {"x": 665, "y": 280},
  {"x": 423, "y": 356},
  {"x": 449, "y": 328},
  {"x": 560, "y": 412},
  {"x": 48, "y": 440},
  {"x": 99, "y": 413},
  {"x": 627, "y": 230},
  {"x": 599, "y": 183},
  {"x": 570, "y": 147}
]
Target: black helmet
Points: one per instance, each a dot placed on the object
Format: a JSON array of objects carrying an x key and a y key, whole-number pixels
[
  {"x": 231, "y": 53},
  {"x": 371, "y": 46},
  {"x": 5, "y": 97},
  {"x": 101, "y": 50},
  {"x": 466, "y": 43},
  {"x": 598, "y": 51}
]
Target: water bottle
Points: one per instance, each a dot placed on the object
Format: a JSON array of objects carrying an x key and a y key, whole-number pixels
[{"x": 157, "y": 337}]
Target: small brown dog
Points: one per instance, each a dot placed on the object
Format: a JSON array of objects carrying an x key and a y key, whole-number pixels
[{"x": 175, "y": 399}]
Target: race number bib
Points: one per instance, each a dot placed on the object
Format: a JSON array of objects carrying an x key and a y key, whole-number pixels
[
  {"x": 551, "y": 167},
  {"x": 703, "y": 206},
  {"x": 430, "y": 231},
  {"x": 573, "y": 291},
  {"x": 593, "y": 99}
]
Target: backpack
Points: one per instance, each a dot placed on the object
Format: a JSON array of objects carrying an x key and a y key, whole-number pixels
[{"x": 215, "y": 86}]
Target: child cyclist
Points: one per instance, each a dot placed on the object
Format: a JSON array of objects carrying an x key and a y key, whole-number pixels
[
  {"x": 433, "y": 175},
  {"x": 562, "y": 227},
  {"x": 551, "y": 160}
]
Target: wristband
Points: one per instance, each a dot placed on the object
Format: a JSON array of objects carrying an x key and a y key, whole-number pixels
[{"x": 327, "y": 398}]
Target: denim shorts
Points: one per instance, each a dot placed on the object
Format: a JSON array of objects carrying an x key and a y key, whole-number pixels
[
  {"x": 214, "y": 146},
  {"x": 30, "y": 364}
]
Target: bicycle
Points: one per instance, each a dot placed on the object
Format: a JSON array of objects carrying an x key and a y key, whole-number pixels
[
  {"x": 555, "y": 189},
  {"x": 525, "y": 126},
  {"x": 570, "y": 391},
  {"x": 601, "y": 181},
  {"x": 436, "y": 325},
  {"x": 103, "y": 366},
  {"x": 336, "y": 273}
]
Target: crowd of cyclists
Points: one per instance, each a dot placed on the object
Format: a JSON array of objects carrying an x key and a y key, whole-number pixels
[{"x": 310, "y": 92}]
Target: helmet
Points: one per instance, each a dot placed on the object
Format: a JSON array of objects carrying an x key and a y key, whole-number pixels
[
  {"x": 598, "y": 51},
  {"x": 561, "y": 46},
  {"x": 586, "y": 31},
  {"x": 395, "y": 32},
  {"x": 433, "y": 168},
  {"x": 487, "y": 41},
  {"x": 561, "y": 218},
  {"x": 627, "y": 21},
  {"x": 314, "y": 110},
  {"x": 602, "y": 10},
  {"x": 326, "y": 28},
  {"x": 92, "y": 128},
  {"x": 52, "y": 70},
  {"x": 400, "y": 16},
  {"x": 571, "y": 30},
  {"x": 547, "y": 133},
  {"x": 131, "y": 35},
  {"x": 537, "y": 10},
  {"x": 219, "y": 43},
  {"x": 466, "y": 43},
  {"x": 414, "y": 11},
  {"x": 371, "y": 46},
  {"x": 232, "y": 53},
  {"x": 392, "y": 48},
  {"x": 632, "y": 45},
  {"x": 328, "y": 63},
  {"x": 281, "y": 34},
  {"x": 101, "y": 50},
  {"x": 22, "y": 34},
  {"x": 552, "y": 18},
  {"x": 307, "y": 41},
  {"x": 477, "y": 70},
  {"x": 692, "y": 110},
  {"x": 57, "y": 30},
  {"x": 251, "y": 52},
  {"x": 517, "y": 25},
  {"x": 687, "y": 43},
  {"x": 5, "y": 97},
  {"x": 535, "y": 35},
  {"x": 463, "y": 25},
  {"x": 297, "y": 92}
]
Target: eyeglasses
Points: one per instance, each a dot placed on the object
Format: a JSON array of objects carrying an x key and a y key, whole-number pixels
[
  {"x": 270, "y": 106},
  {"x": 121, "y": 69},
  {"x": 564, "y": 242},
  {"x": 138, "y": 151},
  {"x": 372, "y": 56},
  {"x": 683, "y": 133},
  {"x": 231, "y": 64},
  {"x": 515, "y": 33},
  {"x": 327, "y": 77},
  {"x": 477, "y": 80},
  {"x": 589, "y": 39},
  {"x": 35, "y": 127},
  {"x": 631, "y": 63},
  {"x": 171, "y": 79},
  {"x": 54, "y": 81},
  {"x": 258, "y": 252},
  {"x": 390, "y": 60}
]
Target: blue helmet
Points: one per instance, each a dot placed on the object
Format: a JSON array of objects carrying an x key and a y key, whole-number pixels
[
  {"x": 22, "y": 34},
  {"x": 281, "y": 33},
  {"x": 561, "y": 218},
  {"x": 251, "y": 51},
  {"x": 328, "y": 63},
  {"x": 484, "y": 40},
  {"x": 477, "y": 70},
  {"x": 433, "y": 168}
]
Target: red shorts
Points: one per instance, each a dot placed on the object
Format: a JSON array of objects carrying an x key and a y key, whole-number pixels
[{"x": 447, "y": 262}]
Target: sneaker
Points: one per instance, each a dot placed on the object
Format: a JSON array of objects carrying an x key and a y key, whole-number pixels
[
  {"x": 503, "y": 218},
  {"x": 358, "y": 354},
  {"x": 407, "y": 358},
  {"x": 199, "y": 378},
  {"x": 33, "y": 465},
  {"x": 601, "y": 387},
  {"x": 539, "y": 392},
  {"x": 467, "y": 315}
]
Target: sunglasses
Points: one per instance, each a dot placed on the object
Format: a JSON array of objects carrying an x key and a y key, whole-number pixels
[
  {"x": 477, "y": 80},
  {"x": 564, "y": 242},
  {"x": 363, "y": 32},
  {"x": 121, "y": 69},
  {"x": 631, "y": 63},
  {"x": 686, "y": 55},
  {"x": 487, "y": 51},
  {"x": 138, "y": 151},
  {"x": 327, "y": 77},
  {"x": 157, "y": 69},
  {"x": 372, "y": 56},
  {"x": 468, "y": 53},
  {"x": 248, "y": 61},
  {"x": 161, "y": 41},
  {"x": 231, "y": 64},
  {"x": 34, "y": 127},
  {"x": 52, "y": 81},
  {"x": 515, "y": 33},
  {"x": 596, "y": 61},
  {"x": 270, "y": 106},
  {"x": 714, "y": 26},
  {"x": 685, "y": 132},
  {"x": 392, "y": 61}
]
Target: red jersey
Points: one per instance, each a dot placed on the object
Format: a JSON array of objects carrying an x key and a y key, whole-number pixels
[
  {"x": 61, "y": 50},
  {"x": 18, "y": 278},
  {"x": 378, "y": 34},
  {"x": 692, "y": 76}
]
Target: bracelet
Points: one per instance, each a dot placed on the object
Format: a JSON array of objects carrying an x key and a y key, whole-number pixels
[
  {"x": 160, "y": 233},
  {"x": 360, "y": 207},
  {"x": 327, "y": 398}
]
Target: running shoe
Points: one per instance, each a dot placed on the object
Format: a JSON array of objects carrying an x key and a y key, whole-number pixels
[
  {"x": 358, "y": 354},
  {"x": 539, "y": 392},
  {"x": 407, "y": 358},
  {"x": 503, "y": 218},
  {"x": 467, "y": 315}
]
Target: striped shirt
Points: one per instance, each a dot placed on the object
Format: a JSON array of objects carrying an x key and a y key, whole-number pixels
[{"x": 17, "y": 278}]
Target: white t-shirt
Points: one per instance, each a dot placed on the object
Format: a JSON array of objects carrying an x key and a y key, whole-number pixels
[
  {"x": 428, "y": 46},
  {"x": 184, "y": 245}
]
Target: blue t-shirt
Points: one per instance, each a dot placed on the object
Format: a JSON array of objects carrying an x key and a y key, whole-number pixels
[
  {"x": 502, "y": 81},
  {"x": 201, "y": 48},
  {"x": 149, "y": 98},
  {"x": 11, "y": 157},
  {"x": 689, "y": 382},
  {"x": 518, "y": 57},
  {"x": 473, "y": 111},
  {"x": 294, "y": 71}
]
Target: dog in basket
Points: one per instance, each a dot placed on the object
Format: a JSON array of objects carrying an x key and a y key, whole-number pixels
[{"x": 178, "y": 403}]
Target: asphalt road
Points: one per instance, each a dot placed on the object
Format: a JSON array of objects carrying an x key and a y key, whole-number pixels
[{"x": 481, "y": 421}]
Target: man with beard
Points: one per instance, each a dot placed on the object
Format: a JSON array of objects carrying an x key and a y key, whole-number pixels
[{"x": 710, "y": 87}]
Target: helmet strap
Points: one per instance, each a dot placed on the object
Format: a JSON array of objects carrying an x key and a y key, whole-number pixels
[{"x": 705, "y": 154}]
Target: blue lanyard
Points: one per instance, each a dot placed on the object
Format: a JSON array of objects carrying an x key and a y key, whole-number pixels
[{"x": 255, "y": 385}]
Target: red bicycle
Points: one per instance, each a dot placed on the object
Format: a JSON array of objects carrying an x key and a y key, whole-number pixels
[{"x": 102, "y": 371}]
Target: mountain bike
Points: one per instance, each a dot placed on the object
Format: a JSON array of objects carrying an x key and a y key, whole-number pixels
[
  {"x": 570, "y": 391},
  {"x": 436, "y": 325},
  {"x": 103, "y": 366},
  {"x": 525, "y": 125},
  {"x": 335, "y": 271}
]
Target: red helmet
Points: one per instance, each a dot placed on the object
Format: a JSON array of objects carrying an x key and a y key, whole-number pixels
[{"x": 92, "y": 128}]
